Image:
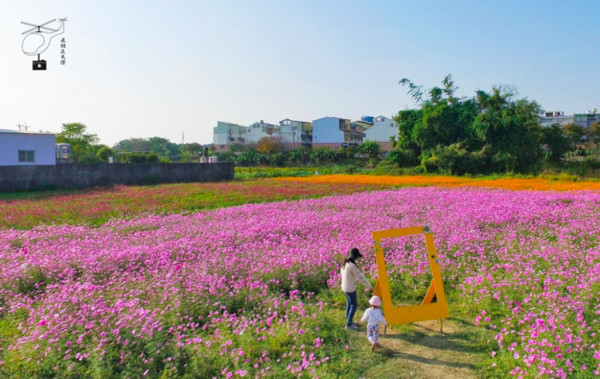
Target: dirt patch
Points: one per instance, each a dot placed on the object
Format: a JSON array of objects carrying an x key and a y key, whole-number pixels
[{"x": 420, "y": 350}]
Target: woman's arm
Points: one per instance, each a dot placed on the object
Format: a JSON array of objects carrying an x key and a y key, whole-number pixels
[{"x": 361, "y": 278}]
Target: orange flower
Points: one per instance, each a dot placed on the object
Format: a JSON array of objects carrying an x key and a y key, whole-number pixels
[{"x": 535, "y": 184}]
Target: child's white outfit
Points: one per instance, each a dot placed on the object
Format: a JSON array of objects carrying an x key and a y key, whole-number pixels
[{"x": 373, "y": 317}]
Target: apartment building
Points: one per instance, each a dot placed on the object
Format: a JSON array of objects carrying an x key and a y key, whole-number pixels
[
  {"x": 294, "y": 133},
  {"x": 227, "y": 134},
  {"x": 334, "y": 132},
  {"x": 381, "y": 129}
]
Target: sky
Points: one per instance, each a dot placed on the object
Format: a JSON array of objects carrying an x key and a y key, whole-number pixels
[{"x": 172, "y": 69}]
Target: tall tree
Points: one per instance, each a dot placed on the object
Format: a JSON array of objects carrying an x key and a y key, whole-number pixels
[
  {"x": 133, "y": 145},
  {"x": 509, "y": 130},
  {"x": 575, "y": 133},
  {"x": 81, "y": 142},
  {"x": 556, "y": 142}
]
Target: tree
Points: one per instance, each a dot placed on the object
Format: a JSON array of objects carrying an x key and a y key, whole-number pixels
[
  {"x": 137, "y": 145},
  {"x": 575, "y": 133},
  {"x": 248, "y": 158},
  {"x": 556, "y": 142},
  {"x": 370, "y": 148},
  {"x": 489, "y": 132},
  {"x": 194, "y": 148},
  {"x": 321, "y": 155},
  {"x": 268, "y": 145},
  {"x": 442, "y": 119},
  {"x": 594, "y": 132},
  {"x": 103, "y": 153},
  {"x": 81, "y": 142},
  {"x": 508, "y": 129},
  {"x": 164, "y": 148}
]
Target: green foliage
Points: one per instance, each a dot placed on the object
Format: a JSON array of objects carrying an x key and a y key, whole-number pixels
[
  {"x": 575, "y": 134},
  {"x": 82, "y": 143},
  {"x": 594, "y": 132},
  {"x": 33, "y": 282},
  {"x": 322, "y": 155},
  {"x": 491, "y": 132},
  {"x": 453, "y": 160},
  {"x": 165, "y": 150},
  {"x": 370, "y": 149},
  {"x": 556, "y": 142},
  {"x": 404, "y": 158},
  {"x": 103, "y": 153},
  {"x": 138, "y": 158}
]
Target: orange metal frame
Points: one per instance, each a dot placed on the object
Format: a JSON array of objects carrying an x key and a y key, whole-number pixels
[{"x": 411, "y": 313}]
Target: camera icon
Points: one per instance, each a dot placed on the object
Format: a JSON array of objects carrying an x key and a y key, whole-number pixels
[{"x": 39, "y": 65}]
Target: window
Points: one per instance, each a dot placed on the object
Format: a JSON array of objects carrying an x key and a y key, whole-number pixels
[{"x": 26, "y": 155}]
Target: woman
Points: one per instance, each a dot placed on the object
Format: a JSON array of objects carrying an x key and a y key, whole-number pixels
[{"x": 350, "y": 276}]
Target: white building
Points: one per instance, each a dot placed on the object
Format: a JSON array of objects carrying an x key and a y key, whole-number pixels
[
  {"x": 293, "y": 133},
  {"x": 259, "y": 130},
  {"x": 26, "y": 148},
  {"x": 381, "y": 130},
  {"x": 556, "y": 117},
  {"x": 334, "y": 132},
  {"x": 226, "y": 134}
]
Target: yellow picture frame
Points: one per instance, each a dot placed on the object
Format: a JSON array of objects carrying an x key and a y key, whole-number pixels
[{"x": 410, "y": 313}]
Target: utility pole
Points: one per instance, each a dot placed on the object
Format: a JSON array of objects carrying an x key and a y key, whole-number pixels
[{"x": 182, "y": 144}]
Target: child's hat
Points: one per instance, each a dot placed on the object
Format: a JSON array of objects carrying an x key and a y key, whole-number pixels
[{"x": 375, "y": 300}]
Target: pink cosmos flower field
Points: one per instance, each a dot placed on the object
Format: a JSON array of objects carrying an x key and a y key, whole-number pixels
[{"x": 236, "y": 291}]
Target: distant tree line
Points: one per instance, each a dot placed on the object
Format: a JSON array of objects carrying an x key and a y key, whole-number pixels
[
  {"x": 269, "y": 152},
  {"x": 492, "y": 132},
  {"x": 86, "y": 149}
]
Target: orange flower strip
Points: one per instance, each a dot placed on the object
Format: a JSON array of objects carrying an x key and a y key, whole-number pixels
[{"x": 535, "y": 184}]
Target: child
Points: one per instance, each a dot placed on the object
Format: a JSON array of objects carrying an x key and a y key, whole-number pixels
[{"x": 373, "y": 316}]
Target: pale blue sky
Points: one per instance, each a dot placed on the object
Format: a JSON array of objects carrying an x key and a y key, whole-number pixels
[{"x": 160, "y": 68}]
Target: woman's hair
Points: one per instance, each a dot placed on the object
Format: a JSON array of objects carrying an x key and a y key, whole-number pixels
[
  {"x": 346, "y": 260},
  {"x": 352, "y": 255}
]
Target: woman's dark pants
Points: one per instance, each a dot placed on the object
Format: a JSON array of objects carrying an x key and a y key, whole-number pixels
[{"x": 351, "y": 306}]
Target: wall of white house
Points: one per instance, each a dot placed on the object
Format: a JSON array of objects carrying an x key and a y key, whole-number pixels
[
  {"x": 43, "y": 146},
  {"x": 327, "y": 130},
  {"x": 255, "y": 133},
  {"x": 383, "y": 128}
]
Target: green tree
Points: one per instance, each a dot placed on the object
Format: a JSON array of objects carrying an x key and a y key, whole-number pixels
[
  {"x": 575, "y": 133},
  {"x": 488, "y": 132},
  {"x": 321, "y": 155},
  {"x": 594, "y": 133},
  {"x": 103, "y": 153},
  {"x": 134, "y": 145},
  {"x": 442, "y": 120},
  {"x": 370, "y": 148},
  {"x": 508, "y": 129},
  {"x": 164, "y": 148},
  {"x": 248, "y": 158},
  {"x": 82, "y": 143},
  {"x": 300, "y": 155},
  {"x": 195, "y": 149},
  {"x": 556, "y": 142}
]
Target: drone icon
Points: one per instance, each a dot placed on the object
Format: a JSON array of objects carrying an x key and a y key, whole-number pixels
[{"x": 37, "y": 40}]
